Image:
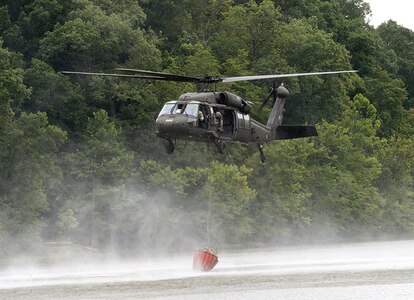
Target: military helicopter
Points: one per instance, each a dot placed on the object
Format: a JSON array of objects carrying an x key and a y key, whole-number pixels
[{"x": 219, "y": 117}]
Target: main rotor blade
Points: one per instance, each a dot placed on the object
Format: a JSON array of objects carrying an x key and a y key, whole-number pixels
[
  {"x": 260, "y": 77},
  {"x": 114, "y": 75},
  {"x": 151, "y": 75},
  {"x": 162, "y": 75}
]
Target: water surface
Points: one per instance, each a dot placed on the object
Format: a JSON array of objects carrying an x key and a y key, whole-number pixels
[{"x": 383, "y": 270}]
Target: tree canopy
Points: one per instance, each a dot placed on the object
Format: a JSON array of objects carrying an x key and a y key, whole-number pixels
[{"x": 79, "y": 160}]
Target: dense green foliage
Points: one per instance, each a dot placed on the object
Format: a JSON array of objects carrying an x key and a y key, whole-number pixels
[{"x": 79, "y": 160}]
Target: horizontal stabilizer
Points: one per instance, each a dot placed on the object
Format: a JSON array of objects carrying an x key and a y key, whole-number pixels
[{"x": 284, "y": 132}]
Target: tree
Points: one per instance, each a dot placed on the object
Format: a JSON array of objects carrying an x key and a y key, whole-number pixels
[
  {"x": 103, "y": 161},
  {"x": 308, "y": 50},
  {"x": 401, "y": 40},
  {"x": 337, "y": 17},
  {"x": 229, "y": 198},
  {"x": 199, "y": 60},
  {"x": 282, "y": 209},
  {"x": 67, "y": 222},
  {"x": 5, "y": 19},
  {"x": 388, "y": 96},
  {"x": 369, "y": 51},
  {"x": 79, "y": 159},
  {"x": 344, "y": 182},
  {"x": 323, "y": 187},
  {"x": 30, "y": 169},
  {"x": 97, "y": 41},
  {"x": 53, "y": 93},
  {"x": 12, "y": 89},
  {"x": 252, "y": 27},
  {"x": 396, "y": 184}
]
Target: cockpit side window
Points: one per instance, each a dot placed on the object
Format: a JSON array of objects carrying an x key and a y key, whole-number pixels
[{"x": 191, "y": 109}]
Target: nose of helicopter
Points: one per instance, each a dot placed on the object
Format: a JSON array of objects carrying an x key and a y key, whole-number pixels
[{"x": 172, "y": 126}]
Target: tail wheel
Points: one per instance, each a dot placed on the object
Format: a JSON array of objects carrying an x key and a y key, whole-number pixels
[
  {"x": 221, "y": 145},
  {"x": 262, "y": 156},
  {"x": 169, "y": 146}
]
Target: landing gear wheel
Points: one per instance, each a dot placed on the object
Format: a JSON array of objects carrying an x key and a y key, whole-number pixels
[
  {"x": 169, "y": 146},
  {"x": 221, "y": 145}
]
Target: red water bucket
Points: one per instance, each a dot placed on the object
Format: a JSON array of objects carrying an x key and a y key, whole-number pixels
[{"x": 204, "y": 261}]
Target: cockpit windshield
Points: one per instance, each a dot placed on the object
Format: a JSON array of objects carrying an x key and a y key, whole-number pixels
[
  {"x": 178, "y": 108},
  {"x": 190, "y": 109},
  {"x": 167, "y": 109}
]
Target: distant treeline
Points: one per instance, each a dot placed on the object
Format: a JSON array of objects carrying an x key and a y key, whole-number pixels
[{"x": 79, "y": 160}]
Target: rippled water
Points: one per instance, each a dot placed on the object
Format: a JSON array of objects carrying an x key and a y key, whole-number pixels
[{"x": 382, "y": 270}]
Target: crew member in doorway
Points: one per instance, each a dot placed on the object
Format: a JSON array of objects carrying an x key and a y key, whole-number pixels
[
  {"x": 219, "y": 120},
  {"x": 203, "y": 117}
]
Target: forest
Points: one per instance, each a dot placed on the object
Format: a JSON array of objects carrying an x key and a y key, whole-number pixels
[{"x": 80, "y": 162}]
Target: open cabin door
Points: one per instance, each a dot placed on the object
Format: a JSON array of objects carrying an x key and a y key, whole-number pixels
[{"x": 229, "y": 124}]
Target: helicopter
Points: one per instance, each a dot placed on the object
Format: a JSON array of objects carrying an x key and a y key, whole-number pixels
[{"x": 220, "y": 117}]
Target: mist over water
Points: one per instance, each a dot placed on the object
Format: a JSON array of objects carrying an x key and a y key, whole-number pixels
[
  {"x": 94, "y": 271},
  {"x": 377, "y": 270},
  {"x": 150, "y": 256}
]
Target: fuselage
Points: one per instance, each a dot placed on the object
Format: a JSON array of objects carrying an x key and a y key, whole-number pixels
[{"x": 207, "y": 116}]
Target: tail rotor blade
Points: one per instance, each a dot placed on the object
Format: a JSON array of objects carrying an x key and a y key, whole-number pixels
[
  {"x": 264, "y": 102},
  {"x": 272, "y": 93}
]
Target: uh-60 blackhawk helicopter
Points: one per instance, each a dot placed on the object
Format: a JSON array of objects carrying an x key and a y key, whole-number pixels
[{"x": 219, "y": 117}]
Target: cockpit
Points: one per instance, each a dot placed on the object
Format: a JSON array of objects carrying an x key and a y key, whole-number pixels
[{"x": 174, "y": 107}]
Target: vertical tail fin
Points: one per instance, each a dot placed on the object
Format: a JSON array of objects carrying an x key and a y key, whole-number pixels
[{"x": 283, "y": 132}]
